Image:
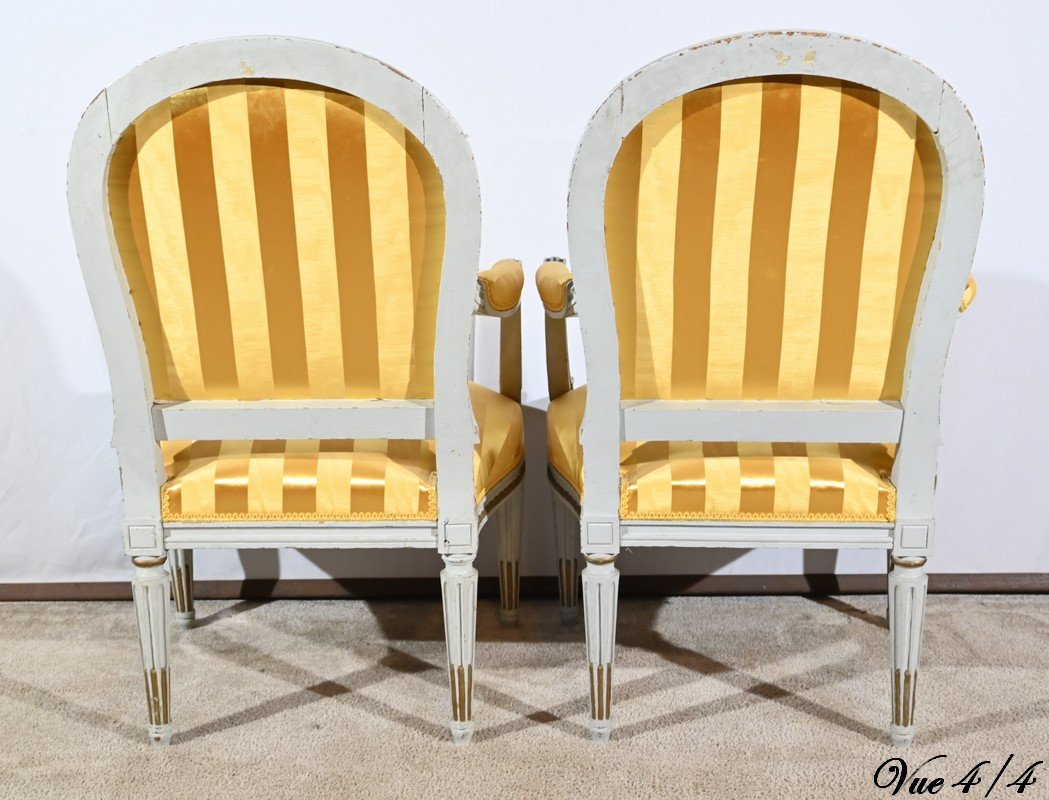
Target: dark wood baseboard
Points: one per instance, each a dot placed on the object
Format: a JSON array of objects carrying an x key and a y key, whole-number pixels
[{"x": 542, "y": 587}]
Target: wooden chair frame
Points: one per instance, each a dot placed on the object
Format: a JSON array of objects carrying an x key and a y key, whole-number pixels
[
  {"x": 140, "y": 422},
  {"x": 913, "y": 423}
]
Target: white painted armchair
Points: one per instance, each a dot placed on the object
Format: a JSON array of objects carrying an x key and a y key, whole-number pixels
[
  {"x": 280, "y": 240},
  {"x": 769, "y": 235}
]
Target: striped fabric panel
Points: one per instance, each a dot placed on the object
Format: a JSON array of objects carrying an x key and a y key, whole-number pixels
[
  {"x": 280, "y": 241},
  {"x": 733, "y": 481},
  {"x": 363, "y": 479},
  {"x": 767, "y": 239}
]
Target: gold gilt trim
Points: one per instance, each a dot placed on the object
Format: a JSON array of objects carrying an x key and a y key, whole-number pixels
[
  {"x": 158, "y": 696},
  {"x": 182, "y": 585},
  {"x": 509, "y": 585},
  {"x": 904, "y": 691},
  {"x": 600, "y": 691},
  {"x": 599, "y": 561},
  {"x": 149, "y": 561},
  {"x": 912, "y": 562},
  {"x": 569, "y": 575},
  {"x": 461, "y": 678}
]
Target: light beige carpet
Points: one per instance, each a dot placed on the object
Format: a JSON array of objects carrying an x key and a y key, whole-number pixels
[{"x": 714, "y": 697}]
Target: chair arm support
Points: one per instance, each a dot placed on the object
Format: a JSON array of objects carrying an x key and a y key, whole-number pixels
[
  {"x": 556, "y": 288},
  {"x": 499, "y": 288},
  {"x": 969, "y": 294}
]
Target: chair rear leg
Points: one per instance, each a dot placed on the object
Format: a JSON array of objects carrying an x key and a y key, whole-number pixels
[
  {"x": 600, "y": 605},
  {"x": 182, "y": 586},
  {"x": 566, "y": 535},
  {"x": 510, "y": 521},
  {"x": 151, "y": 588},
  {"x": 459, "y": 596},
  {"x": 908, "y": 584}
]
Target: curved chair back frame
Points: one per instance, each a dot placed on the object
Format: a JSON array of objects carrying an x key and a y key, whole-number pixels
[
  {"x": 136, "y": 425},
  {"x": 766, "y": 55}
]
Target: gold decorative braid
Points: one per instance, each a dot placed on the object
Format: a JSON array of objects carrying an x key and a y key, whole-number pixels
[{"x": 600, "y": 691}]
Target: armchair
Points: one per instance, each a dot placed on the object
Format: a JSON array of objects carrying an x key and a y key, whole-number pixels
[
  {"x": 279, "y": 239},
  {"x": 770, "y": 234}
]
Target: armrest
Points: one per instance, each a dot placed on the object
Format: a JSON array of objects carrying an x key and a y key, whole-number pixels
[
  {"x": 499, "y": 288},
  {"x": 556, "y": 287},
  {"x": 969, "y": 294}
]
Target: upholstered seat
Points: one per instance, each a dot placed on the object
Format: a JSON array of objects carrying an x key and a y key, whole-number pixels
[
  {"x": 334, "y": 479},
  {"x": 729, "y": 480}
]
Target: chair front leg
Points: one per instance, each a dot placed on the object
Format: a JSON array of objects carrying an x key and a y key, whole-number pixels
[
  {"x": 600, "y": 602},
  {"x": 151, "y": 588},
  {"x": 509, "y": 522},
  {"x": 566, "y": 535},
  {"x": 908, "y": 584},
  {"x": 459, "y": 594},
  {"x": 182, "y": 586}
]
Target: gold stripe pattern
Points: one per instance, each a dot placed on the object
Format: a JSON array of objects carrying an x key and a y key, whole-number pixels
[
  {"x": 348, "y": 479},
  {"x": 748, "y": 481},
  {"x": 904, "y": 693},
  {"x": 280, "y": 241},
  {"x": 568, "y": 585},
  {"x": 509, "y": 585},
  {"x": 158, "y": 695},
  {"x": 461, "y": 678},
  {"x": 767, "y": 238},
  {"x": 600, "y": 691}
]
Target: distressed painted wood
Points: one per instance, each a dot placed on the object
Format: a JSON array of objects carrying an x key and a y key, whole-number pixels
[
  {"x": 600, "y": 605},
  {"x": 140, "y": 422},
  {"x": 913, "y": 423},
  {"x": 566, "y": 543},
  {"x": 908, "y": 585},
  {"x": 151, "y": 589},
  {"x": 182, "y": 586},
  {"x": 459, "y": 593},
  {"x": 509, "y": 522}
]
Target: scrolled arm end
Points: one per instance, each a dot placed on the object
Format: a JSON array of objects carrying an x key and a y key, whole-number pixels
[
  {"x": 499, "y": 288},
  {"x": 554, "y": 281}
]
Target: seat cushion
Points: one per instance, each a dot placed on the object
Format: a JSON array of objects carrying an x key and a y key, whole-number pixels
[
  {"x": 729, "y": 480},
  {"x": 333, "y": 479}
]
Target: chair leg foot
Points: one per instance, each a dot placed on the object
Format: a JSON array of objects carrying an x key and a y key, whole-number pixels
[
  {"x": 151, "y": 589},
  {"x": 510, "y": 521},
  {"x": 600, "y": 602},
  {"x": 908, "y": 584},
  {"x": 459, "y": 597},
  {"x": 182, "y": 587}
]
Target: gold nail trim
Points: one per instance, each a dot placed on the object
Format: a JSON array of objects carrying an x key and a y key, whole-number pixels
[
  {"x": 909, "y": 561},
  {"x": 600, "y": 560},
  {"x": 149, "y": 561}
]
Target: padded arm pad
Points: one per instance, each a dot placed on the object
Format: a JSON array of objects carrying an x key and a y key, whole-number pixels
[
  {"x": 501, "y": 286},
  {"x": 553, "y": 279}
]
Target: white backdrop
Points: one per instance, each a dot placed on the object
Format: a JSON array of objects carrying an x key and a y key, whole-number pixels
[{"x": 522, "y": 79}]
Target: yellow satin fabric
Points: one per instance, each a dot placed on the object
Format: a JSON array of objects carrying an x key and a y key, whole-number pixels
[
  {"x": 280, "y": 241},
  {"x": 732, "y": 481},
  {"x": 551, "y": 279},
  {"x": 767, "y": 239},
  {"x": 362, "y": 479},
  {"x": 502, "y": 284}
]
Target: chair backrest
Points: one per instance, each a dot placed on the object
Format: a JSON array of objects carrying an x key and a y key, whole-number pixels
[
  {"x": 268, "y": 219},
  {"x": 767, "y": 218},
  {"x": 280, "y": 240},
  {"x": 766, "y": 240}
]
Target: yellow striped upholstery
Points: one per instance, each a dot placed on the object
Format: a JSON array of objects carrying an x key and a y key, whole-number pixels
[
  {"x": 332, "y": 479},
  {"x": 767, "y": 239},
  {"x": 280, "y": 241},
  {"x": 730, "y": 481}
]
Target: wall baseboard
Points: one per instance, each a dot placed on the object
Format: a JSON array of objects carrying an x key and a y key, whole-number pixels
[{"x": 541, "y": 587}]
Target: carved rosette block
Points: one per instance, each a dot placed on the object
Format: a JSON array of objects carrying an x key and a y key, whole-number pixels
[
  {"x": 600, "y": 602},
  {"x": 182, "y": 586},
  {"x": 459, "y": 595},
  {"x": 510, "y": 521},
  {"x": 151, "y": 589},
  {"x": 908, "y": 585},
  {"x": 566, "y": 533}
]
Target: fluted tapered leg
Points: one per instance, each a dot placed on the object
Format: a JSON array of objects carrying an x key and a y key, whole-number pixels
[
  {"x": 566, "y": 536},
  {"x": 182, "y": 586},
  {"x": 600, "y": 601},
  {"x": 908, "y": 584},
  {"x": 151, "y": 588},
  {"x": 510, "y": 521},
  {"x": 459, "y": 593}
]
